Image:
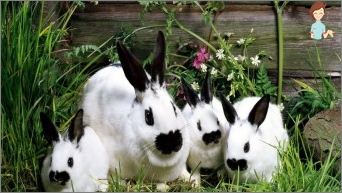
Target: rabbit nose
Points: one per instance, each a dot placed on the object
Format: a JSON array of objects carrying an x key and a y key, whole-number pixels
[
  {"x": 213, "y": 137},
  {"x": 168, "y": 143},
  {"x": 237, "y": 164},
  {"x": 59, "y": 177}
]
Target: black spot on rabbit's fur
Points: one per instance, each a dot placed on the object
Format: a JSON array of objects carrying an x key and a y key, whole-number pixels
[
  {"x": 168, "y": 143},
  {"x": 206, "y": 171},
  {"x": 237, "y": 164},
  {"x": 212, "y": 137},
  {"x": 49, "y": 130},
  {"x": 59, "y": 177},
  {"x": 76, "y": 130},
  {"x": 117, "y": 64},
  {"x": 174, "y": 108}
]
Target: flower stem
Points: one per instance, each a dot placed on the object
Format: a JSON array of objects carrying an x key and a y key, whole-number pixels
[
  {"x": 180, "y": 26},
  {"x": 142, "y": 28},
  {"x": 280, "y": 48}
]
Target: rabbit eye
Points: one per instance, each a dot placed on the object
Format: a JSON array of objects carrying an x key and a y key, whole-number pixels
[
  {"x": 218, "y": 122},
  {"x": 70, "y": 162},
  {"x": 199, "y": 126},
  {"x": 246, "y": 147},
  {"x": 149, "y": 117}
]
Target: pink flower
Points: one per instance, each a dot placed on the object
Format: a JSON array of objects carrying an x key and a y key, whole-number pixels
[{"x": 202, "y": 56}]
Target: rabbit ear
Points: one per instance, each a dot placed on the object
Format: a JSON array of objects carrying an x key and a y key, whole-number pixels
[
  {"x": 207, "y": 90},
  {"x": 76, "y": 129},
  {"x": 132, "y": 68},
  {"x": 190, "y": 94},
  {"x": 49, "y": 130},
  {"x": 259, "y": 111},
  {"x": 228, "y": 109},
  {"x": 158, "y": 63}
]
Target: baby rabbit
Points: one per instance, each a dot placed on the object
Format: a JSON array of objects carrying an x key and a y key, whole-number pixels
[
  {"x": 207, "y": 127},
  {"x": 78, "y": 161},
  {"x": 139, "y": 123},
  {"x": 256, "y": 133}
]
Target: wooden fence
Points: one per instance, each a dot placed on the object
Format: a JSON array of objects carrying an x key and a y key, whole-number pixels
[{"x": 96, "y": 23}]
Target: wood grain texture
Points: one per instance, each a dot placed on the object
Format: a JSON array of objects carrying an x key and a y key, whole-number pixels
[{"x": 95, "y": 24}]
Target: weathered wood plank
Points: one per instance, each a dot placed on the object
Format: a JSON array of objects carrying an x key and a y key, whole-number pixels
[
  {"x": 106, "y": 19},
  {"x": 95, "y": 24},
  {"x": 303, "y": 3},
  {"x": 290, "y": 88}
]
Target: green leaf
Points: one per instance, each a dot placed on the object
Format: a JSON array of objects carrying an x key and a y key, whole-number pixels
[{"x": 262, "y": 84}]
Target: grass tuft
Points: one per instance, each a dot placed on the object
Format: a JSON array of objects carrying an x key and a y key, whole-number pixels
[{"x": 32, "y": 81}]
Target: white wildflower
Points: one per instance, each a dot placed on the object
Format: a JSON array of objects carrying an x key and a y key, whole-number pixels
[
  {"x": 241, "y": 41},
  {"x": 213, "y": 71},
  {"x": 211, "y": 57},
  {"x": 230, "y": 76},
  {"x": 252, "y": 30},
  {"x": 220, "y": 55},
  {"x": 240, "y": 58},
  {"x": 228, "y": 34},
  {"x": 203, "y": 67},
  {"x": 255, "y": 60},
  {"x": 195, "y": 85},
  {"x": 281, "y": 106}
]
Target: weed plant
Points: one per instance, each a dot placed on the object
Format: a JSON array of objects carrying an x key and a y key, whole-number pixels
[
  {"x": 214, "y": 54},
  {"x": 311, "y": 100}
]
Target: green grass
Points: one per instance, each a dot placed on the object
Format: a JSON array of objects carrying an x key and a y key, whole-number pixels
[
  {"x": 297, "y": 174},
  {"x": 33, "y": 80},
  {"x": 313, "y": 99}
]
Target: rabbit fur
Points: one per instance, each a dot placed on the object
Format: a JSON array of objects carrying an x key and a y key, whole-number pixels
[
  {"x": 256, "y": 132},
  {"x": 208, "y": 125},
  {"x": 136, "y": 118},
  {"x": 78, "y": 160}
]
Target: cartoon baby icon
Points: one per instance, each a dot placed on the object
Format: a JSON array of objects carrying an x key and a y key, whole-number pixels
[{"x": 317, "y": 11}]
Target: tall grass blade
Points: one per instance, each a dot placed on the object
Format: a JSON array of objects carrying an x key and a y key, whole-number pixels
[{"x": 29, "y": 85}]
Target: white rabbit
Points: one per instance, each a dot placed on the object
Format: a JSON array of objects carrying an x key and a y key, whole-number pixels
[
  {"x": 78, "y": 161},
  {"x": 137, "y": 119},
  {"x": 208, "y": 125},
  {"x": 256, "y": 133}
]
